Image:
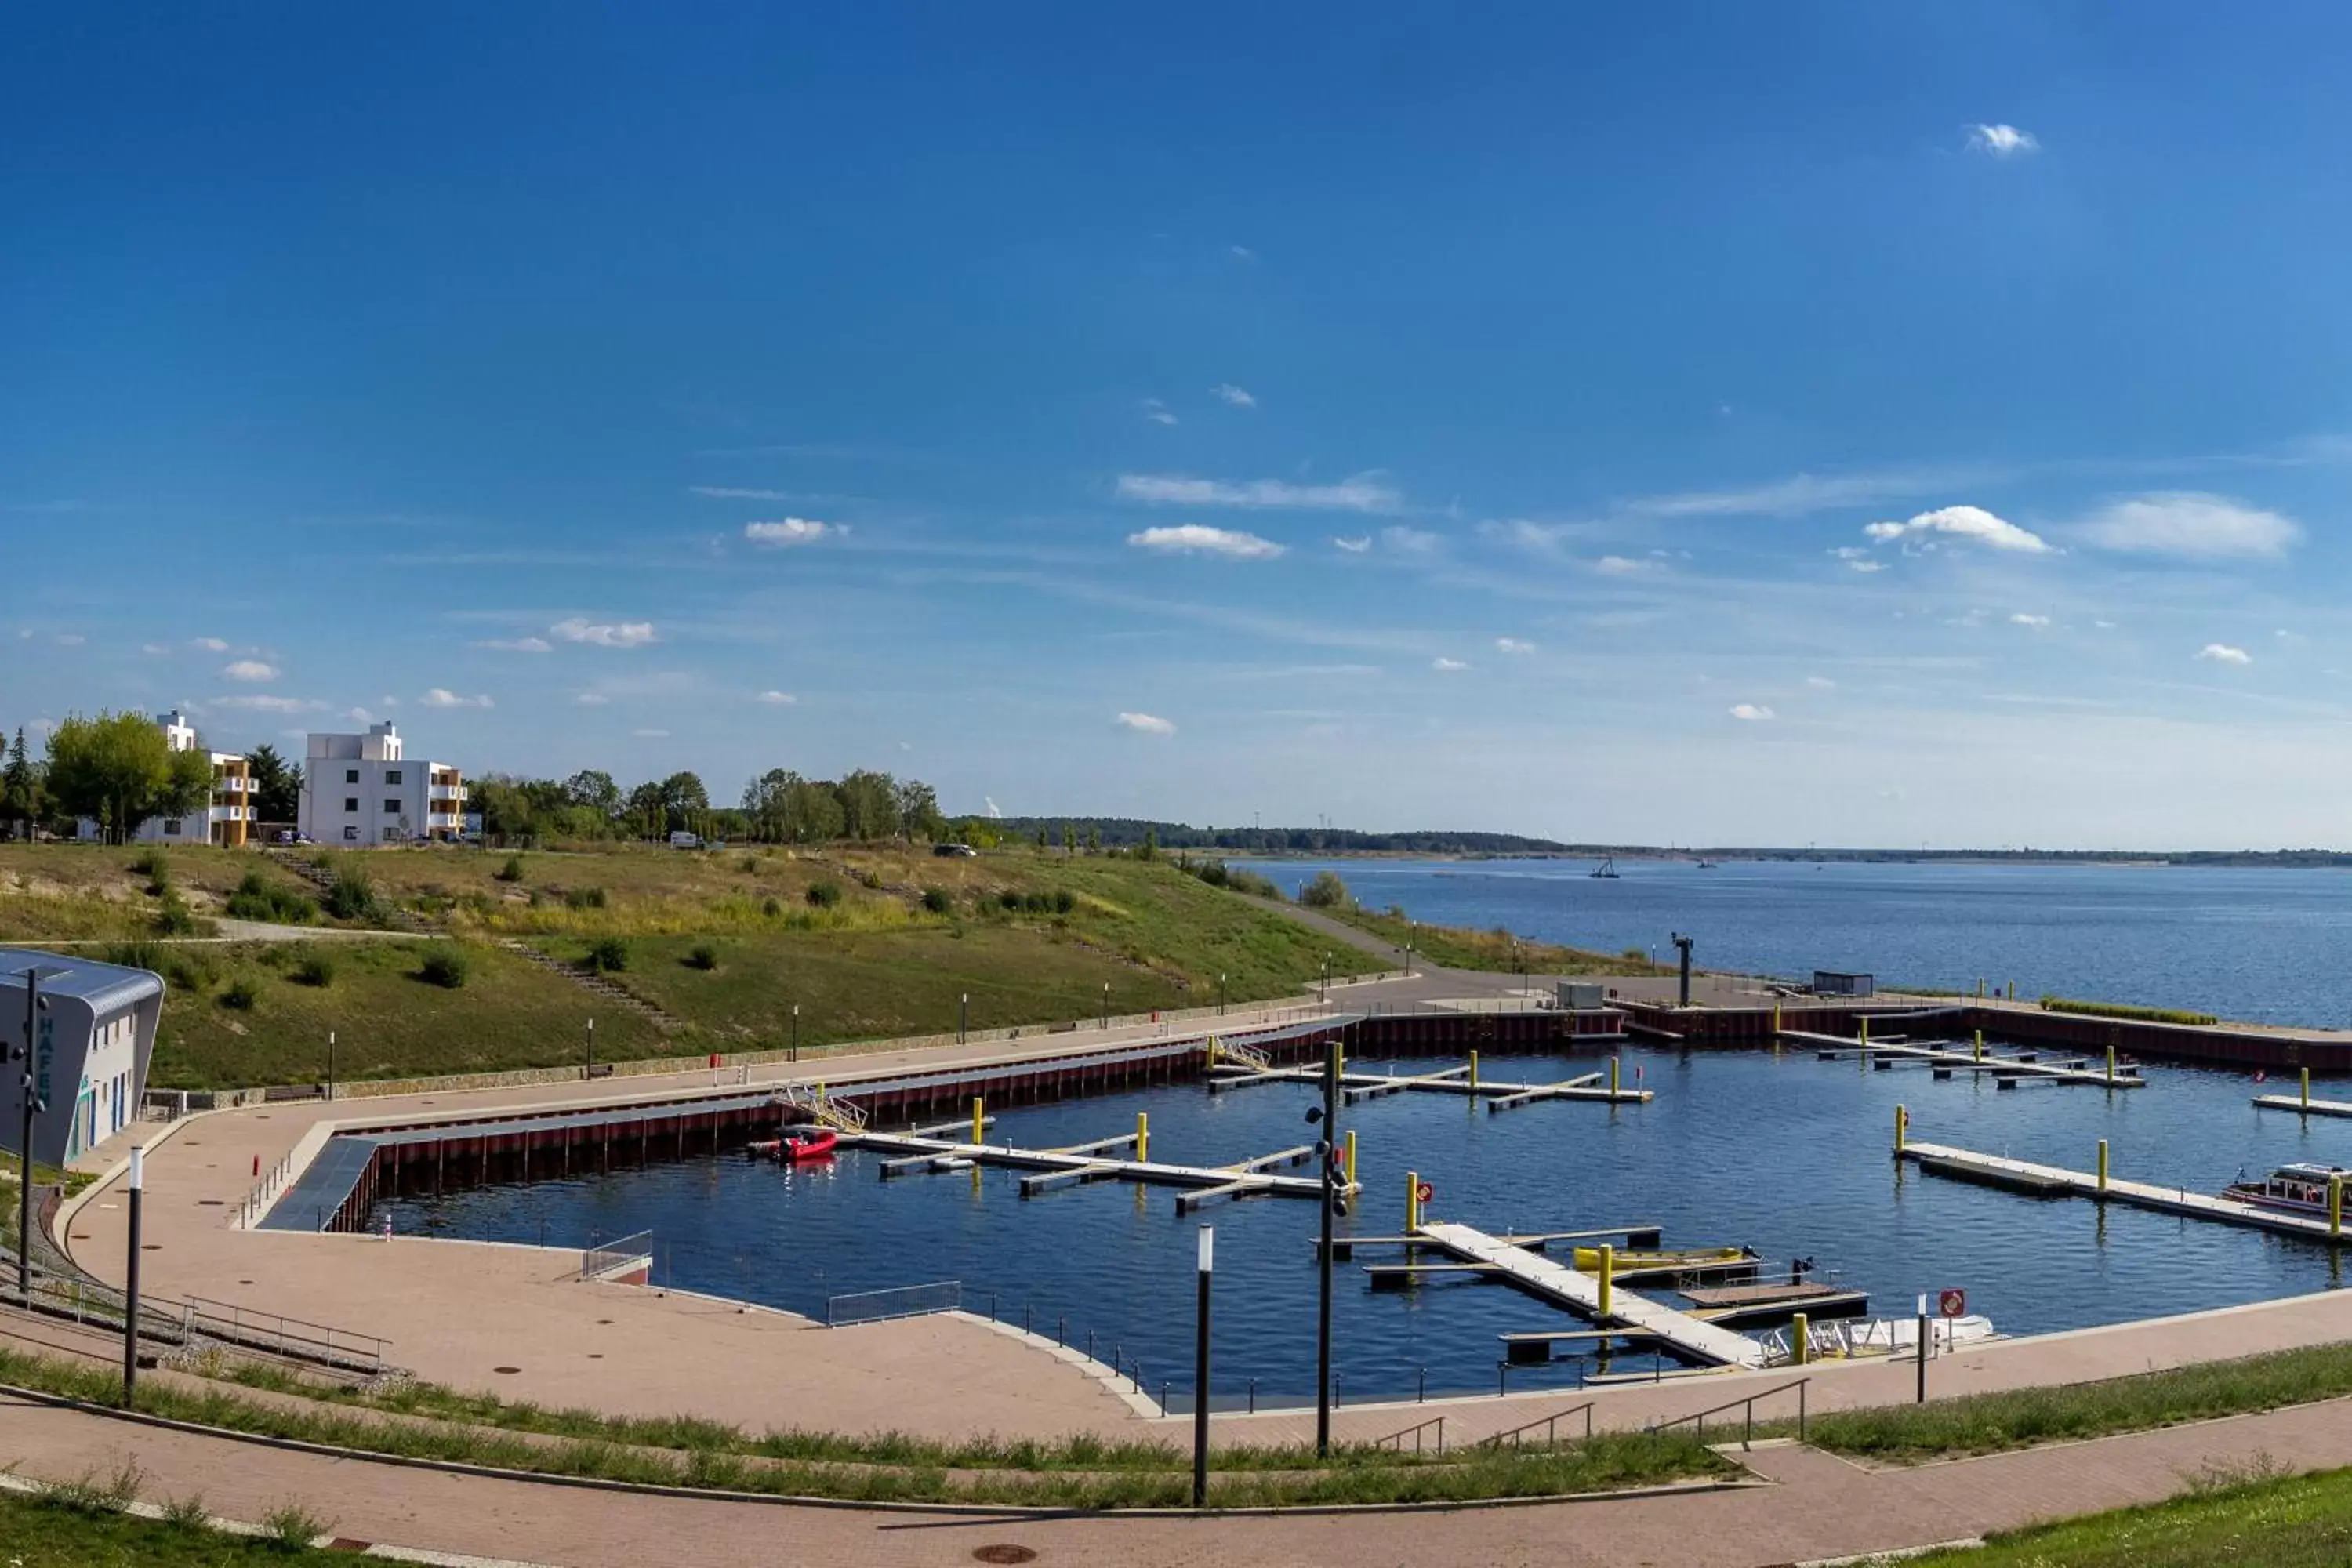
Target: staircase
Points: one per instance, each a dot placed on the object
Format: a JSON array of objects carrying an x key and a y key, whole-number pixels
[
  {"x": 816, "y": 1105},
  {"x": 319, "y": 877},
  {"x": 590, "y": 981},
  {"x": 1224, "y": 1051}
]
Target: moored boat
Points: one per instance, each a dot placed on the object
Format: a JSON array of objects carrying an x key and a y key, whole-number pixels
[{"x": 2290, "y": 1189}]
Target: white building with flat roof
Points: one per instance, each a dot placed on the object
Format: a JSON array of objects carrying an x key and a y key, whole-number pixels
[
  {"x": 361, "y": 789},
  {"x": 93, "y": 1035},
  {"x": 227, "y": 815}
]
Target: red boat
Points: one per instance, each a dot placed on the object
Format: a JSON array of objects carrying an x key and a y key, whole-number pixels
[{"x": 802, "y": 1144}]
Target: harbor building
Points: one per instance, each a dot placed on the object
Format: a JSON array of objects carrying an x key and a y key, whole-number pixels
[
  {"x": 93, "y": 1034},
  {"x": 227, "y": 815},
  {"x": 361, "y": 789}
]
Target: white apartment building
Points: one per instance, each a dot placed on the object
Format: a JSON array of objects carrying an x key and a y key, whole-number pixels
[
  {"x": 360, "y": 789},
  {"x": 227, "y": 815}
]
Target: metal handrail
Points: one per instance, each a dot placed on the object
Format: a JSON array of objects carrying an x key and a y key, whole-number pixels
[
  {"x": 1516, "y": 1436},
  {"x": 1417, "y": 1432},
  {"x": 1747, "y": 1407}
]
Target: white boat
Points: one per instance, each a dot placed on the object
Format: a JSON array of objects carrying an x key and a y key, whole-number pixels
[
  {"x": 951, "y": 1163},
  {"x": 1849, "y": 1337}
]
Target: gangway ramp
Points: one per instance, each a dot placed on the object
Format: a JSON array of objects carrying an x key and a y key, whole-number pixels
[{"x": 1553, "y": 1281}]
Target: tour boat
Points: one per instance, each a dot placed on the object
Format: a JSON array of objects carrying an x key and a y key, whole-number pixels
[{"x": 2292, "y": 1189}]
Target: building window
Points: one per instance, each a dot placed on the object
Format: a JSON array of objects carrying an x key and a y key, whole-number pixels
[
  {"x": 392, "y": 776},
  {"x": 172, "y": 826},
  {"x": 350, "y": 804},
  {"x": 350, "y": 775},
  {"x": 392, "y": 808},
  {"x": 350, "y": 834}
]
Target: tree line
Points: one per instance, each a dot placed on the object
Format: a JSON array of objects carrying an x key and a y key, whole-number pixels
[
  {"x": 117, "y": 770},
  {"x": 779, "y": 807},
  {"x": 1128, "y": 832}
]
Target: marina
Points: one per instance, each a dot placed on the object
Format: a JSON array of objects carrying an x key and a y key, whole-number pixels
[{"x": 2053, "y": 1181}]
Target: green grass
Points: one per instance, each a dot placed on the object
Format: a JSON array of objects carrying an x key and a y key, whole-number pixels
[
  {"x": 82, "y": 1525},
  {"x": 2259, "y": 1521},
  {"x": 1498, "y": 951},
  {"x": 2017, "y": 1419},
  {"x": 1078, "y": 1474},
  {"x": 2125, "y": 1010}
]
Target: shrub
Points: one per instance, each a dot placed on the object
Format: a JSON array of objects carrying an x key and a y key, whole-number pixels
[
  {"x": 1038, "y": 904},
  {"x": 1009, "y": 900},
  {"x": 1212, "y": 872},
  {"x": 1065, "y": 900},
  {"x": 316, "y": 969},
  {"x": 1250, "y": 882},
  {"x": 584, "y": 899},
  {"x": 749, "y": 865},
  {"x": 240, "y": 993},
  {"x": 772, "y": 906},
  {"x": 173, "y": 916},
  {"x": 189, "y": 970},
  {"x": 352, "y": 898},
  {"x": 870, "y": 880},
  {"x": 608, "y": 954},
  {"x": 511, "y": 871},
  {"x": 444, "y": 966},
  {"x": 290, "y": 1528},
  {"x": 2120, "y": 1010},
  {"x": 822, "y": 895},
  {"x": 937, "y": 901},
  {"x": 137, "y": 955},
  {"x": 152, "y": 865},
  {"x": 260, "y": 898},
  {"x": 1327, "y": 891},
  {"x": 703, "y": 957}
]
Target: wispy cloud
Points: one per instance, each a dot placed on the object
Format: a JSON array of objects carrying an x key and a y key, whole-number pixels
[
  {"x": 208, "y": 645},
  {"x": 1241, "y": 252},
  {"x": 1753, "y": 713},
  {"x": 1359, "y": 492},
  {"x": 1445, "y": 666},
  {"x": 732, "y": 492},
  {"x": 1513, "y": 645},
  {"x": 776, "y": 699},
  {"x": 1964, "y": 522},
  {"x": 1802, "y": 494},
  {"x": 1356, "y": 546},
  {"x": 1624, "y": 566},
  {"x": 153, "y": 649},
  {"x": 262, "y": 703},
  {"x": 441, "y": 697},
  {"x": 2021, "y": 618},
  {"x": 1411, "y": 541},
  {"x": 2190, "y": 524},
  {"x": 2003, "y": 141},
  {"x": 2223, "y": 653},
  {"x": 790, "y": 530},
  {"x": 620, "y": 634},
  {"x": 1148, "y": 723},
  {"x": 1157, "y": 412},
  {"x": 1198, "y": 539},
  {"x": 517, "y": 645},
  {"x": 1233, "y": 394},
  {"x": 592, "y": 700},
  {"x": 250, "y": 670}
]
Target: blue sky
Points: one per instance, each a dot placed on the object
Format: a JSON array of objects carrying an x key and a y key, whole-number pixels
[{"x": 1857, "y": 424}]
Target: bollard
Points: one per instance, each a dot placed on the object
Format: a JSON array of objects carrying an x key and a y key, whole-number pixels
[
  {"x": 2306, "y": 1088},
  {"x": 1865, "y": 1031},
  {"x": 1352, "y": 1157},
  {"x": 1142, "y": 1137},
  {"x": 1607, "y": 1276},
  {"x": 1473, "y": 1072},
  {"x": 2103, "y": 1164},
  {"x": 1412, "y": 1202},
  {"x": 1980, "y": 1043},
  {"x": 1800, "y": 1341},
  {"x": 2336, "y": 1205},
  {"x": 1901, "y": 1126}
]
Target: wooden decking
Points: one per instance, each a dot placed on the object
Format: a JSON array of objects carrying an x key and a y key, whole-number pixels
[
  {"x": 1948, "y": 1057},
  {"x": 2052, "y": 1181}
]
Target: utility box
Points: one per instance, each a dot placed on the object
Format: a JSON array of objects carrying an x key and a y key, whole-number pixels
[
  {"x": 1838, "y": 983},
  {"x": 1577, "y": 995}
]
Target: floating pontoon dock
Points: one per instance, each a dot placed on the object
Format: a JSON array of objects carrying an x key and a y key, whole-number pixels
[
  {"x": 1064, "y": 1167},
  {"x": 2303, "y": 1102},
  {"x": 1580, "y": 1293},
  {"x": 1462, "y": 1080},
  {"x": 2053, "y": 1181},
  {"x": 1947, "y": 1057}
]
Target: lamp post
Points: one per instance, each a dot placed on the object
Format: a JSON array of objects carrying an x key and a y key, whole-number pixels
[
  {"x": 1323, "y": 987},
  {"x": 591, "y": 1071},
  {"x": 1201, "y": 1371},
  {"x": 1221, "y": 992},
  {"x": 34, "y": 1007},
  {"x": 963, "y": 1014},
  {"x": 331, "y": 1064},
  {"x": 1327, "y": 1147},
  {"x": 1407, "y": 948},
  {"x": 131, "y": 1281},
  {"x": 796, "y": 1031},
  {"x": 1106, "y": 1012}
]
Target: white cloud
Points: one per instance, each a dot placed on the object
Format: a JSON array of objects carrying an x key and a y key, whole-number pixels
[
  {"x": 1803, "y": 493},
  {"x": 1194, "y": 538},
  {"x": 69, "y": 640},
  {"x": 731, "y": 492},
  {"x": 262, "y": 704},
  {"x": 790, "y": 530},
  {"x": 1234, "y": 395},
  {"x": 776, "y": 699},
  {"x": 2003, "y": 141},
  {"x": 1970, "y": 522},
  {"x": 440, "y": 697},
  {"x": 1157, "y": 412},
  {"x": 1513, "y": 645},
  {"x": 155, "y": 648},
  {"x": 208, "y": 645},
  {"x": 2223, "y": 653},
  {"x": 360, "y": 716},
  {"x": 1241, "y": 251},
  {"x": 2020, "y": 618},
  {"x": 1753, "y": 713},
  {"x": 517, "y": 645},
  {"x": 1354, "y": 546},
  {"x": 1412, "y": 541},
  {"x": 592, "y": 700},
  {"x": 1623, "y": 565},
  {"x": 2192, "y": 523},
  {"x": 622, "y": 634},
  {"x": 1865, "y": 565},
  {"x": 1821, "y": 682},
  {"x": 1445, "y": 666},
  {"x": 250, "y": 670},
  {"x": 1146, "y": 723},
  {"x": 651, "y": 734},
  {"x": 1358, "y": 492}
]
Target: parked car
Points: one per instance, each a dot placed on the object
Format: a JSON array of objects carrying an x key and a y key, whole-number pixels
[{"x": 958, "y": 850}]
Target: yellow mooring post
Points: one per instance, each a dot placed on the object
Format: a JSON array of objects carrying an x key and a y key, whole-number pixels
[
  {"x": 1800, "y": 1341},
  {"x": 1865, "y": 1031},
  {"x": 1142, "y": 1137},
  {"x": 2306, "y": 1088},
  {"x": 2110, "y": 1064},
  {"x": 1776, "y": 1022},
  {"x": 1352, "y": 1156},
  {"x": 1608, "y": 1277},
  {"x": 1612, "y": 1078},
  {"x": 1979, "y": 1038},
  {"x": 2336, "y": 1205},
  {"x": 1213, "y": 1053},
  {"x": 1412, "y": 1202},
  {"x": 1473, "y": 1072},
  {"x": 1902, "y": 1125},
  {"x": 2103, "y": 1164},
  {"x": 979, "y": 1120}
]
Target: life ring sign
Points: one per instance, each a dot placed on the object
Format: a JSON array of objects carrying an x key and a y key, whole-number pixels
[
  {"x": 1952, "y": 1303},
  {"x": 1423, "y": 1192}
]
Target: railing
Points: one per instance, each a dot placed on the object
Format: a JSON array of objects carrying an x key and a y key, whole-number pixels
[
  {"x": 1233, "y": 1051},
  {"x": 282, "y": 1335},
  {"x": 256, "y": 1207},
  {"x": 601, "y": 1259},
  {"x": 1518, "y": 1436},
  {"x": 1747, "y": 1407},
  {"x": 843, "y": 1115},
  {"x": 904, "y": 1302},
  {"x": 1418, "y": 1432}
]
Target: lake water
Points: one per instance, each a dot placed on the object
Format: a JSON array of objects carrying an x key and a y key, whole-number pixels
[
  {"x": 1786, "y": 1154},
  {"x": 2253, "y": 943}
]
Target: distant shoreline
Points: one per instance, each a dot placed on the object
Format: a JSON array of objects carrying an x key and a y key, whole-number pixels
[{"x": 2287, "y": 858}]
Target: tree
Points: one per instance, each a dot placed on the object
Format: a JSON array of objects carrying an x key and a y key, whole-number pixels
[
  {"x": 869, "y": 805},
  {"x": 276, "y": 785},
  {"x": 1327, "y": 891},
  {"x": 811, "y": 813},
  {"x": 917, "y": 806},
  {"x": 22, "y": 795},
  {"x": 644, "y": 812},
  {"x": 685, "y": 803},
  {"x": 595, "y": 790},
  {"x": 766, "y": 800},
  {"x": 118, "y": 769}
]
